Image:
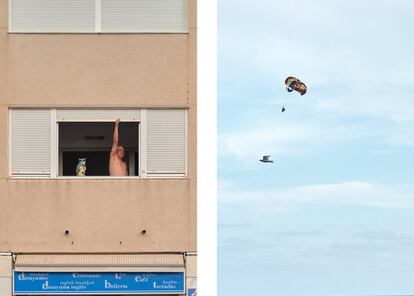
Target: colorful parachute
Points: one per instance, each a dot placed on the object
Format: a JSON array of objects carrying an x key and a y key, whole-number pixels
[{"x": 292, "y": 83}]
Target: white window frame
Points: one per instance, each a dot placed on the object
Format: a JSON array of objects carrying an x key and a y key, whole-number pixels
[
  {"x": 142, "y": 148},
  {"x": 98, "y": 23}
]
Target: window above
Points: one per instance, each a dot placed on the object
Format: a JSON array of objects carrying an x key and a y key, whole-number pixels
[{"x": 98, "y": 16}]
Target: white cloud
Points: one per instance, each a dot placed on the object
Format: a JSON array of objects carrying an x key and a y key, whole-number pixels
[
  {"x": 384, "y": 235},
  {"x": 352, "y": 55},
  {"x": 249, "y": 145},
  {"x": 277, "y": 137},
  {"x": 226, "y": 184},
  {"x": 390, "y": 105},
  {"x": 403, "y": 136},
  {"x": 347, "y": 193}
]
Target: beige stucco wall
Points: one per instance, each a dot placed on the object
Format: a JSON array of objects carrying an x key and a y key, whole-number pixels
[
  {"x": 96, "y": 216},
  {"x": 90, "y": 69},
  {"x": 3, "y": 14},
  {"x": 191, "y": 271},
  {"x": 5, "y": 274},
  {"x": 97, "y": 70}
]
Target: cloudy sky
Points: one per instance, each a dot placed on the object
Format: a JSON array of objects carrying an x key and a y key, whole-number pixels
[{"x": 334, "y": 215}]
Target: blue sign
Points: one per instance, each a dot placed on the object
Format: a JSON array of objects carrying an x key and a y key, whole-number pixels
[
  {"x": 98, "y": 282},
  {"x": 192, "y": 292}
]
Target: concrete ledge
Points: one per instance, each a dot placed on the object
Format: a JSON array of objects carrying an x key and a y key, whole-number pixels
[
  {"x": 5, "y": 286},
  {"x": 191, "y": 266},
  {"x": 6, "y": 264}
]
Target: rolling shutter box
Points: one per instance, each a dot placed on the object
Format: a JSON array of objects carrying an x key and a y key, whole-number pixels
[
  {"x": 30, "y": 143},
  {"x": 91, "y": 115},
  {"x": 52, "y": 15},
  {"x": 166, "y": 142},
  {"x": 144, "y": 16}
]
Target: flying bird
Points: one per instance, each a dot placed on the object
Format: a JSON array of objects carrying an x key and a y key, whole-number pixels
[
  {"x": 283, "y": 109},
  {"x": 266, "y": 159}
]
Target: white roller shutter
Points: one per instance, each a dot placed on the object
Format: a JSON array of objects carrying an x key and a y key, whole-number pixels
[
  {"x": 52, "y": 15},
  {"x": 144, "y": 16},
  {"x": 166, "y": 142},
  {"x": 30, "y": 143},
  {"x": 103, "y": 115}
]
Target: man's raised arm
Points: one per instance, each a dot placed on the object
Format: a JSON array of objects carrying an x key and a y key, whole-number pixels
[{"x": 115, "y": 138}]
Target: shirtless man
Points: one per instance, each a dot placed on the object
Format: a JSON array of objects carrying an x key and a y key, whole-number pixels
[{"x": 117, "y": 167}]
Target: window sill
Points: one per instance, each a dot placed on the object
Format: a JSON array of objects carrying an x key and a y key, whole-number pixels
[
  {"x": 100, "y": 33},
  {"x": 102, "y": 178}
]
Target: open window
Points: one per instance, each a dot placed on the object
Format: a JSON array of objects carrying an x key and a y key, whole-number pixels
[
  {"x": 91, "y": 142},
  {"x": 48, "y": 143}
]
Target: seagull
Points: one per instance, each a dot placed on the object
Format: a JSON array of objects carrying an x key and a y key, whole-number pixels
[{"x": 266, "y": 159}]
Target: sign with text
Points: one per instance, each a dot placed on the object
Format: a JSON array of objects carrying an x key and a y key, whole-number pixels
[{"x": 28, "y": 283}]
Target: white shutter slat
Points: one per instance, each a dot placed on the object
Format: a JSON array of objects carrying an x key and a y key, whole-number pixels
[
  {"x": 166, "y": 142},
  {"x": 52, "y": 16},
  {"x": 88, "y": 115},
  {"x": 30, "y": 142},
  {"x": 151, "y": 16}
]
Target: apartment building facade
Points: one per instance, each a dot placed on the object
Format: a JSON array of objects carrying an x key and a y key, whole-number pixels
[{"x": 68, "y": 70}]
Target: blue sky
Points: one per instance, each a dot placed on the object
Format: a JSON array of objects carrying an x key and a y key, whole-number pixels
[{"x": 334, "y": 215}]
